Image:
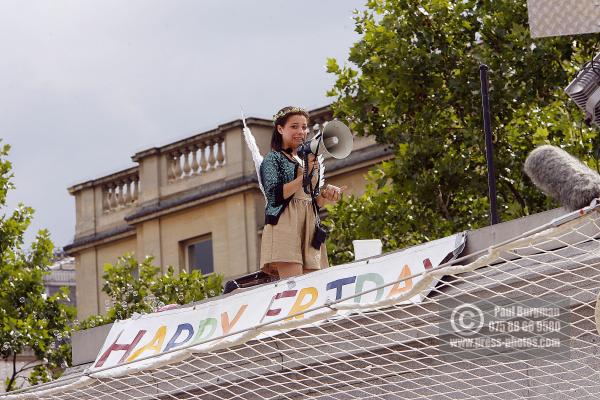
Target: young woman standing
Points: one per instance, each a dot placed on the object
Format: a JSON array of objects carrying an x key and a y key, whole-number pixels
[{"x": 289, "y": 216}]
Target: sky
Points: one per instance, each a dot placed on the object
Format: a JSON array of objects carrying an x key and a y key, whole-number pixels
[{"x": 86, "y": 84}]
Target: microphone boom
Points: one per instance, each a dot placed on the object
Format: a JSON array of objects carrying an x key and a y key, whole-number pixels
[{"x": 562, "y": 177}]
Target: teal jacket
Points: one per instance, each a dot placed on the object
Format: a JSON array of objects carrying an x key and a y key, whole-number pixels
[{"x": 275, "y": 171}]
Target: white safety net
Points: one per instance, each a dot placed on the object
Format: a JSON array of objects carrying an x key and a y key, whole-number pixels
[{"x": 466, "y": 340}]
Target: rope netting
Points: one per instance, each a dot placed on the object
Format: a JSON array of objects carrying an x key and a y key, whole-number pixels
[{"x": 519, "y": 321}]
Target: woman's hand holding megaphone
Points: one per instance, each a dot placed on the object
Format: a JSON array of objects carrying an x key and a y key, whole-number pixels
[{"x": 328, "y": 192}]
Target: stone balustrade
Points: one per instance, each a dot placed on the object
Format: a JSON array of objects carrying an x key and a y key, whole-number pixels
[
  {"x": 201, "y": 156},
  {"x": 121, "y": 191}
]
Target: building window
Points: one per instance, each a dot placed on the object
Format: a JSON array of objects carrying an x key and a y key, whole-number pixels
[{"x": 200, "y": 255}]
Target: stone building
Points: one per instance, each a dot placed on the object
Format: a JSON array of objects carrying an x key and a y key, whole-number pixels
[{"x": 192, "y": 204}]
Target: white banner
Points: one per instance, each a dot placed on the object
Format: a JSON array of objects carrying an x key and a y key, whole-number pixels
[{"x": 234, "y": 316}]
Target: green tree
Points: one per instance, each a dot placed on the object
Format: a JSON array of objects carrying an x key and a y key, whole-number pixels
[
  {"x": 29, "y": 320},
  {"x": 135, "y": 287},
  {"x": 413, "y": 83}
]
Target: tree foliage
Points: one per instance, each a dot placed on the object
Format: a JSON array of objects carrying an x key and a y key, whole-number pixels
[
  {"x": 413, "y": 83},
  {"x": 135, "y": 287},
  {"x": 30, "y": 321}
]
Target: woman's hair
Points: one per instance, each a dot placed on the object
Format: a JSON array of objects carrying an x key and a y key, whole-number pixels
[{"x": 281, "y": 118}]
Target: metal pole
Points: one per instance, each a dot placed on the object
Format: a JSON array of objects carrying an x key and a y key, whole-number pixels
[{"x": 489, "y": 149}]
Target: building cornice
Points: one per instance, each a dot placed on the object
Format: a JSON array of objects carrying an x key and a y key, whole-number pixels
[
  {"x": 99, "y": 238},
  {"x": 190, "y": 198}
]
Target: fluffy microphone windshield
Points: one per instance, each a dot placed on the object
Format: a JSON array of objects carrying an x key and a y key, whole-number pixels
[{"x": 562, "y": 177}]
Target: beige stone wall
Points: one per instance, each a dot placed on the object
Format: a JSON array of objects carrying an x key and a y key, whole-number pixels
[
  {"x": 226, "y": 220},
  {"x": 85, "y": 212},
  {"x": 149, "y": 241},
  {"x": 232, "y": 223},
  {"x": 87, "y": 286},
  {"x": 88, "y": 276}
]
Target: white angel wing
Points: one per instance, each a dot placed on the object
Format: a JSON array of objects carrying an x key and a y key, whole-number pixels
[
  {"x": 321, "y": 170},
  {"x": 256, "y": 156}
]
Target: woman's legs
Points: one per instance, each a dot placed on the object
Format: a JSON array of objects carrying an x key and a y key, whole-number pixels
[{"x": 286, "y": 269}]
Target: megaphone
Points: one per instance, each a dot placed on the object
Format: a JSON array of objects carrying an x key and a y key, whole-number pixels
[{"x": 335, "y": 140}]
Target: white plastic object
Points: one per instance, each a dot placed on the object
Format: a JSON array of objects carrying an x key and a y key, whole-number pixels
[{"x": 366, "y": 248}]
